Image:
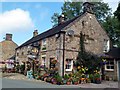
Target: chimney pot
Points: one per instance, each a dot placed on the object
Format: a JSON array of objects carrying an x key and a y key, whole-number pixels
[
  {"x": 9, "y": 37},
  {"x": 61, "y": 19},
  {"x": 35, "y": 33},
  {"x": 88, "y": 7}
]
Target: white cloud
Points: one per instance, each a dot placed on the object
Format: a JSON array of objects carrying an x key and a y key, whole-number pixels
[{"x": 15, "y": 20}]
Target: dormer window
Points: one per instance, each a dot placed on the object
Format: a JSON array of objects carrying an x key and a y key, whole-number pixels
[{"x": 106, "y": 46}]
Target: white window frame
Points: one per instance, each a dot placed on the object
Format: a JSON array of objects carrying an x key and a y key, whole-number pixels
[
  {"x": 106, "y": 46},
  {"x": 43, "y": 61},
  {"x": 109, "y": 65},
  {"x": 70, "y": 69}
]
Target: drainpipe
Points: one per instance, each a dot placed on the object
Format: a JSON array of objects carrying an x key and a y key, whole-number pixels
[{"x": 63, "y": 52}]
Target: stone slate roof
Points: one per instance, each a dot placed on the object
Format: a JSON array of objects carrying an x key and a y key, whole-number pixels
[
  {"x": 50, "y": 32},
  {"x": 114, "y": 53}
]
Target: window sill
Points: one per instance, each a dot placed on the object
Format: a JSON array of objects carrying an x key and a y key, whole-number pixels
[
  {"x": 68, "y": 70},
  {"x": 111, "y": 70}
]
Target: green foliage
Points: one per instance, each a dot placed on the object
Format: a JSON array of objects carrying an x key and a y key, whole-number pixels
[
  {"x": 111, "y": 25},
  {"x": 87, "y": 59},
  {"x": 97, "y": 75},
  {"x": 58, "y": 78},
  {"x": 72, "y": 9},
  {"x": 66, "y": 77},
  {"x": 117, "y": 12}
]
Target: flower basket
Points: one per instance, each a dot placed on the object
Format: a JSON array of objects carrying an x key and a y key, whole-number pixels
[{"x": 54, "y": 61}]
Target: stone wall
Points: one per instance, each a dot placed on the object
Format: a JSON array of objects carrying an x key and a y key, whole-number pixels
[{"x": 8, "y": 49}]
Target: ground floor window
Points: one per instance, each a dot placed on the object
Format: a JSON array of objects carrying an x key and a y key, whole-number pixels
[
  {"x": 43, "y": 61},
  {"x": 109, "y": 65},
  {"x": 51, "y": 64},
  {"x": 69, "y": 64}
]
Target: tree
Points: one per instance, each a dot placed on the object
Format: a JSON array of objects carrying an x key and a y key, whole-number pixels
[
  {"x": 117, "y": 12},
  {"x": 72, "y": 9},
  {"x": 117, "y": 16},
  {"x": 111, "y": 25}
]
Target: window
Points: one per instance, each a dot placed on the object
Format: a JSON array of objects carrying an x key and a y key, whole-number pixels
[
  {"x": 17, "y": 54},
  {"x": 109, "y": 65},
  {"x": 22, "y": 53},
  {"x": 51, "y": 64},
  {"x": 69, "y": 64},
  {"x": 44, "y": 61},
  {"x": 106, "y": 46},
  {"x": 44, "y": 42}
]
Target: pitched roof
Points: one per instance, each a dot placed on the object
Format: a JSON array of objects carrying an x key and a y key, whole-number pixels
[
  {"x": 114, "y": 53},
  {"x": 50, "y": 32}
]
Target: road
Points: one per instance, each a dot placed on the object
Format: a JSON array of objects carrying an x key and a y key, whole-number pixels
[{"x": 9, "y": 83}]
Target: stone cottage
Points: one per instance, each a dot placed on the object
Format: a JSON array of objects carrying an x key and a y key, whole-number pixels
[
  {"x": 7, "y": 49},
  {"x": 62, "y": 41}
]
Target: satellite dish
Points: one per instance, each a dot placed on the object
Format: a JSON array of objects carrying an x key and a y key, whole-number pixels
[
  {"x": 70, "y": 32},
  {"x": 57, "y": 35}
]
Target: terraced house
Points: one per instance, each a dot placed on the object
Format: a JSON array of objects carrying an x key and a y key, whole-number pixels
[{"x": 61, "y": 42}]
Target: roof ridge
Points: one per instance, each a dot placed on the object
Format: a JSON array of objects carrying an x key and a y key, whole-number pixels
[{"x": 50, "y": 31}]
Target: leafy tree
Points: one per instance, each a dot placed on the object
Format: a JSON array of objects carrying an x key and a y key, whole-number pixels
[
  {"x": 117, "y": 16},
  {"x": 111, "y": 25},
  {"x": 117, "y": 12},
  {"x": 72, "y": 9}
]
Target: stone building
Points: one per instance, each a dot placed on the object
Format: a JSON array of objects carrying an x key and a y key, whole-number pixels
[
  {"x": 62, "y": 41},
  {"x": 7, "y": 48}
]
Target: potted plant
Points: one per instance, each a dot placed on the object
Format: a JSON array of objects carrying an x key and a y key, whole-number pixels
[
  {"x": 97, "y": 78},
  {"x": 75, "y": 81},
  {"x": 53, "y": 80},
  {"x": 66, "y": 77},
  {"x": 69, "y": 81},
  {"x": 91, "y": 77}
]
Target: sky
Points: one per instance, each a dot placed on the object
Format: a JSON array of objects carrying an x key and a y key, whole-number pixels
[{"x": 22, "y": 18}]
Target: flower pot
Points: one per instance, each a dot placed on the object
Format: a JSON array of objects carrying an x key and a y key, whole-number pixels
[
  {"x": 75, "y": 83},
  {"x": 68, "y": 83},
  {"x": 98, "y": 81},
  {"x": 54, "y": 82},
  {"x": 45, "y": 78}
]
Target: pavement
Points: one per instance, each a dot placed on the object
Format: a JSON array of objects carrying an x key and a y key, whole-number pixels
[{"x": 104, "y": 84}]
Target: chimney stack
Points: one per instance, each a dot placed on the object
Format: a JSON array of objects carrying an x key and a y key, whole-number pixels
[
  {"x": 35, "y": 33},
  {"x": 9, "y": 37},
  {"x": 61, "y": 19},
  {"x": 88, "y": 7}
]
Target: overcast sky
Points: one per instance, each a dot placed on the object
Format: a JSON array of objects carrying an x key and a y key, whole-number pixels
[{"x": 22, "y": 18}]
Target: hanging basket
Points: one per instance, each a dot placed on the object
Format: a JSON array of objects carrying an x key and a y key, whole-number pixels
[{"x": 54, "y": 61}]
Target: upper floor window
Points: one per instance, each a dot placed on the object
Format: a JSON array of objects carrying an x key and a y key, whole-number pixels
[
  {"x": 109, "y": 65},
  {"x": 22, "y": 53},
  {"x": 44, "y": 42},
  {"x": 106, "y": 46},
  {"x": 17, "y": 54}
]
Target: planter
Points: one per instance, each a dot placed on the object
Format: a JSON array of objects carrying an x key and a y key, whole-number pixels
[
  {"x": 98, "y": 81},
  {"x": 83, "y": 80},
  {"x": 68, "y": 83},
  {"x": 45, "y": 78},
  {"x": 59, "y": 83},
  {"x": 54, "y": 82},
  {"x": 64, "y": 81},
  {"x": 75, "y": 83}
]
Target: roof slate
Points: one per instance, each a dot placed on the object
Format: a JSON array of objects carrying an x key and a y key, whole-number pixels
[
  {"x": 114, "y": 52},
  {"x": 50, "y": 32}
]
